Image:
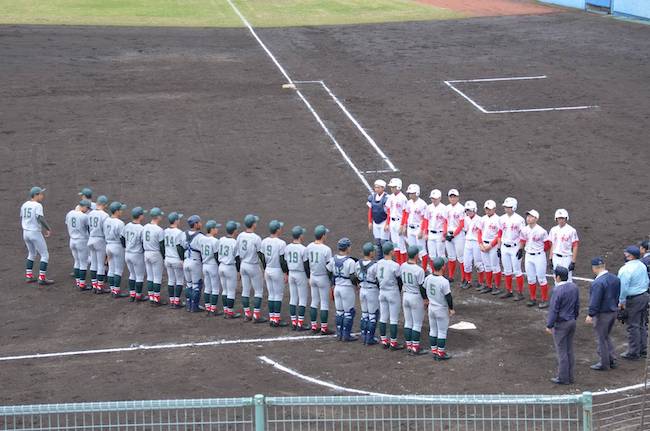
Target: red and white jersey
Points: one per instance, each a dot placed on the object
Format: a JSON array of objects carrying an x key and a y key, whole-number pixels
[
  {"x": 489, "y": 227},
  {"x": 455, "y": 213},
  {"x": 436, "y": 216},
  {"x": 396, "y": 203},
  {"x": 472, "y": 227},
  {"x": 511, "y": 227},
  {"x": 563, "y": 239},
  {"x": 535, "y": 238},
  {"x": 415, "y": 211}
]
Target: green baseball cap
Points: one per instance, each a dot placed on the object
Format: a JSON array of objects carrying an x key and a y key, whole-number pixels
[
  {"x": 320, "y": 230},
  {"x": 211, "y": 224},
  {"x": 102, "y": 200},
  {"x": 298, "y": 231},
  {"x": 412, "y": 251},
  {"x": 368, "y": 248},
  {"x": 387, "y": 247},
  {"x": 250, "y": 220},
  {"x": 275, "y": 225},
  {"x": 87, "y": 192},
  {"x": 116, "y": 206},
  {"x": 84, "y": 203},
  {"x": 232, "y": 226},
  {"x": 137, "y": 212},
  {"x": 156, "y": 212},
  {"x": 174, "y": 217},
  {"x": 36, "y": 191},
  {"x": 439, "y": 262}
]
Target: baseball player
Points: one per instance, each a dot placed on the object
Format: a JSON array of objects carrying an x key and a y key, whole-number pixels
[
  {"x": 210, "y": 262},
  {"x": 35, "y": 230},
  {"x": 390, "y": 284},
  {"x": 298, "y": 265},
  {"x": 378, "y": 215},
  {"x": 366, "y": 269},
  {"x": 192, "y": 268},
  {"x": 472, "y": 252},
  {"x": 153, "y": 243},
  {"x": 249, "y": 251},
  {"x": 87, "y": 194},
  {"x": 134, "y": 254},
  {"x": 78, "y": 229},
  {"x": 174, "y": 255},
  {"x": 412, "y": 220},
  {"x": 342, "y": 268},
  {"x": 319, "y": 254},
  {"x": 489, "y": 237},
  {"x": 97, "y": 245},
  {"x": 441, "y": 308},
  {"x": 565, "y": 242},
  {"x": 412, "y": 300},
  {"x": 455, "y": 236},
  {"x": 113, "y": 228},
  {"x": 536, "y": 242},
  {"x": 229, "y": 265},
  {"x": 511, "y": 226},
  {"x": 395, "y": 208},
  {"x": 435, "y": 225},
  {"x": 275, "y": 271}
]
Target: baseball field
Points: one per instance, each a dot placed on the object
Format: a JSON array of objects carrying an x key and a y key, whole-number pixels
[{"x": 177, "y": 104}]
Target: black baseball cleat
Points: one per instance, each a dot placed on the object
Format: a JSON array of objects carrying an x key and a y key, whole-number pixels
[
  {"x": 465, "y": 285},
  {"x": 143, "y": 298},
  {"x": 628, "y": 356},
  {"x": 302, "y": 328},
  {"x": 131, "y": 298},
  {"x": 386, "y": 346},
  {"x": 505, "y": 295},
  {"x": 598, "y": 367},
  {"x": 30, "y": 279},
  {"x": 395, "y": 347},
  {"x": 558, "y": 381},
  {"x": 613, "y": 364},
  {"x": 485, "y": 290},
  {"x": 518, "y": 297},
  {"x": 350, "y": 338},
  {"x": 325, "y": 332},
  {"x": 442, "y": 356},
  {"x": 45, "y": 282},
  {"x": 542, "y": 305},
  {"x": 156, "y": 304},
  {"x": 260, "y": 320},
  {"x": 281, "y": 324},
  {"x": 496, "y": 291},
  {"x": 531, "y": 303},
  {"x": 105, "y": 290}
]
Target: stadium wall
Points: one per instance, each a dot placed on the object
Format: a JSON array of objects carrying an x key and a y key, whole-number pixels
[{"x": 633, "y": 8}]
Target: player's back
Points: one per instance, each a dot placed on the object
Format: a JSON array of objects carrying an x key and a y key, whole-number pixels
[
  {"x": 173, "y": 237},
  {"x": 273, "y": 248},
  {"x": 209, "y": 246},
  {"x": 319, "y": 254},
  {"x": 437, "y": 287},
  {"x": 227, "y": 250},
  {"x": 96, "y": 219},
  {"x": 387, "y": 273},
  {"x": 133, "y": 237},
  {"x": 342, "y": 267},
  {"x": 113, "y": 229},
  {"x": 412, "y": 277},
  {"x": 295, "y": 255},
  {"x": 366, "y": 270},
  {"x": 152, "y": 234},
  {"x": 77, "y": 224},
  {"x": 248, "y": 244}
]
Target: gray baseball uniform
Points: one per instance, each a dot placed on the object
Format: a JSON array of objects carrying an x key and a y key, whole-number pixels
[
  {"x": 437, "y": 287},
  {"x": 210, "y": 246},
  {"x": 173, "y": 262},
  {"x": 192, "y": 267},
  {"x": 97, "y": 242},
  {"x": 319, "y": 255},
  {"x": 273, "y": 248},
  {"x": 227, "y": 268},
  {"x": 343, "y": 267},
  {"x": 389, "y": 296},
  {"x": 113, "y": 228},
  {"x": 413, "y": 278},
  {"x": 248, "y": 244},
  {"x": 77, "y": 224},
  {"x": 134, "y": 252},
  {"x": 296, "y": 256},
  {"x": 369, "y": 292},
  {"x": 152, "y": 236}
]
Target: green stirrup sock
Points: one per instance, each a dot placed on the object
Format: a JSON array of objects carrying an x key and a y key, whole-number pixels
[
  {"x": 131, "y": 284},
  {"x": 149, "y": 286},
  {"x": 206, "y": 298},
  {"x": 324, "y": 316},
  {"x": 301, "y": 311},
  {"x": 170, "y": 291},
  {"x": 433, "y": 341},
  {"x": 139, "y": 286},
  {"x": 93, "y": 275},
  {"x": 393, "y": 331},
  {"x": 407, "y": 334},
  {"x": 42, "y": 266},
  {"x": 82, "y": 275},
  {"x": 156, "y": 287},
  {"x": 29, "y": 264},
  {"x": 313, "y": 314},
  {"x": 76, "y": 272},
  {"x": 245, "y": 301},
  {"x": 415, "y": 336},
  {"x": 292, "y": 310},
  {"x": 257, "y": 303},
  {"x": 117, "y": 281},
  {"x": 382, "y": 329},
  {"x": 214, "y": 299},
  {"x": 441, "y": 343},
  {"x": 111, "y": 282}
]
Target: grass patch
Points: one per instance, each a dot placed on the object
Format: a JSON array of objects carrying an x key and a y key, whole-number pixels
[{"x": 216, "y": 13}]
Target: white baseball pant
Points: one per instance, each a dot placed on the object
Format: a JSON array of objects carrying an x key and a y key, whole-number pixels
[
  {"x": 97, "y": 249},
  {"x": 115, "y": 254},
  {"x": 344, "y": 298},
  {"x": 511, "y": 264},
  {"x": 251, "y": 278},
  {"x": 211, "y": 279},
  {"x": 153, "y": 262},
  {"x": 79, "y": 249},
  {"x": 490, "y": 260},
  {"x": 369, "y": 299},
  {"x": 274, "y": 278},
  {"x": 438, "y": 321},
  {"x": 298, "y": 288},
  {"x": 175, "y": 276},
  {"x": 536, "y": 268},
  {"x": 36, "y": 244},
  {"x": 193, "y": 272},
  {"x": 436, "y": 248},
  {"x": 320, "y": 291},
  {"x": 378, "y": 231},
  {"x": 455, "y": 248},
  {"x": 412, "y": 239},
  {"x": 398, "y": 240},
  {"x": 564, "y": 261},
  {"x": 389, "y": 306},
  {"x": 228, "y": 275},
  {"x": 472, "y": 256},
  {"x": 135, "y": 264},
  {"x": 413, "y": 311}
]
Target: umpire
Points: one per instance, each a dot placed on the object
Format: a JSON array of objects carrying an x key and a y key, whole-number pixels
[
  {"x": 562, "y": 315},
  {"x": 634, "y": 299},
  {"x": 603, "y": 305}
]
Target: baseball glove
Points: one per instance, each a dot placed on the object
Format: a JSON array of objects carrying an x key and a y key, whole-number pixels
[{"x": 622, "y": 316}]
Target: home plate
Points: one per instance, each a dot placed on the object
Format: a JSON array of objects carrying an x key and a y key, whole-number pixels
[{"x": 461, "y": 326}]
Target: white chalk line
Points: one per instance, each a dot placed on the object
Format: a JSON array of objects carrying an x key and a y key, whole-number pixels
[
  {"x": 165, "y": 346},
  {"x": 450, "y": 84},
  {"x": 619, "y": 390},
  {"x": 313, "y": 112}
]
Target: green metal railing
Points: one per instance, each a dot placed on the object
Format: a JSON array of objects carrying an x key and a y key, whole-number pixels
[{"x": 426, "y": 412}]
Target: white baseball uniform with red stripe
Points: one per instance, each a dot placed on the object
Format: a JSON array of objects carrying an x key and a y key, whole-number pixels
[
  {"x": 490, "y": 234},
  {"x": 456, "y": 247},
  {"x": 413, "y": 217},
  {"x": 563, "y": 239},
  {"x": 435, "y": 229},
  {"x": 395, "y": 205},
  {"x": 536, "y": 242},
  {"x": 471, "y": 253},
  {"x": 511, "y": 227}
]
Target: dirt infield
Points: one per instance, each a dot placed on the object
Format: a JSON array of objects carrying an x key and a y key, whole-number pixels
[
  {"x": 492, "y": 7},
  {"x": 196, "y": 120}
]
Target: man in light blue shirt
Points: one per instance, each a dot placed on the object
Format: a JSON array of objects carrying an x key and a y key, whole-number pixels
[{"x": 634, "y": 299}]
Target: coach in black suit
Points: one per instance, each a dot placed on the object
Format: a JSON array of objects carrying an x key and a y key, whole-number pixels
[{"x": 603, "y": 307}]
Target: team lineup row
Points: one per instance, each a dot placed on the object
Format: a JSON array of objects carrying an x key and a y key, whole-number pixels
[{"x": 485, "y": 243}]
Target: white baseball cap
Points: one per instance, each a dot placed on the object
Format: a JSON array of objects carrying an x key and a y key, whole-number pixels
[
  {"x": 510, "y": 203},
  {"x": 490, "y": 204},
  {"x": 562, "y": 213},
  {"x": 470, "y": 205},
  {"x": 413, "y": 188},
  {"x": 380, "y": 183},
  {"x": 435, "y": 194},
  {"x": 395, "y": 182},
  {"x": 534, "y": 213},
  {"x": 453, "y": 192}
]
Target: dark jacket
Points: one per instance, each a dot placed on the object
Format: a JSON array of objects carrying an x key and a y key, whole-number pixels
[
  {"x": 565, "y": 304},
  {"x": 604, "y": 293}
]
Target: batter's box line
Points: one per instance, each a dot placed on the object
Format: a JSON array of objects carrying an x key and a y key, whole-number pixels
[{"x": 451, "y": 85}]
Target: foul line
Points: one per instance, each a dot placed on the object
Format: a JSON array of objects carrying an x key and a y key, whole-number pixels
[
  {"x": 451, "y": 83},
  {"x": 160, "y": 347}
]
